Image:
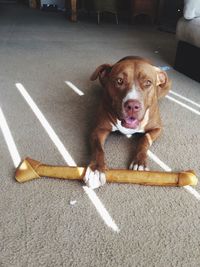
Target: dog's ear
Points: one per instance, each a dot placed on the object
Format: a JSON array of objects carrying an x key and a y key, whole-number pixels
[
  {"x": 102, "y": 72},
  {"x": 163, "y": 83}
]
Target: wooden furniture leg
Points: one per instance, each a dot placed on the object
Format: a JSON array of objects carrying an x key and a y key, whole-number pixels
[{"x": 74, "y": 10}]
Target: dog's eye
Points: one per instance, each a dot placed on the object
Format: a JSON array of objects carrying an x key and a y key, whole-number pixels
[
  {"x": 119, "y": 81},
  {"x": 147, "y": 83}
]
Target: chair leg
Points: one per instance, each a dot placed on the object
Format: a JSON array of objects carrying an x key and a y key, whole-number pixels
[
  {"x": 98, "y": 17},
  {"x": 116, "y": 17}
]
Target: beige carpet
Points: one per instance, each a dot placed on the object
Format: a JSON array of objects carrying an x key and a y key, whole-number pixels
[{"x": 59, "y": 223}]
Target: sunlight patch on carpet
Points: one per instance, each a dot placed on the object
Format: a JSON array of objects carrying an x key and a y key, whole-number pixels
[
  {"x": 183, "y": 105},
  {"x": 166, "y": 168},
  {"x": 9, "y": 140},
  {"x": 51, "y": 133},
  {"x": 67, "y": 157},
  {"x": 101, "y": 209},
  {"x": 74, "y": 88},
  {"x": 185, "y": 99}
]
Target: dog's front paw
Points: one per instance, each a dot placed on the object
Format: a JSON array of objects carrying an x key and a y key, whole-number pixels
[
  {"x": 136, "y": 167},
  {"x": 139, "y": 164},
  {"x": 94, "y": 179}
]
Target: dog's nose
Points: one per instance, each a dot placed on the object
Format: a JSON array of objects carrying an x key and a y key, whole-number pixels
[{"x": 132, "y": 106}]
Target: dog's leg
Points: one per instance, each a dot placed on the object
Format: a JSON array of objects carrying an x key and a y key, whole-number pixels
[
  {"x": 140, "y": 159},
  {"x": 95, "y": 176}
]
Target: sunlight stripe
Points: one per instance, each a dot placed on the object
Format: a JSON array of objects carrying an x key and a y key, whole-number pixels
[
  {"x": 183, "y": 105},
  {"x": 101, "y": 209},
  {"x": 185, "y": 98},
  {"x": 67, "y": 157},
  {"x": 74, "y": 88},
  {"x": 168, "y": 169},
  {"x": 9, "y": 140},
  {"x": 53, "y": 136},
  {"x": 192, "y": 191},
  {"x": 158, "y": 161},
  {"x": 166, "y": 68}
]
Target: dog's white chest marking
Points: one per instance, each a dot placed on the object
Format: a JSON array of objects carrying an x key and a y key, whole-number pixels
[{"x": 126, "y": 131}]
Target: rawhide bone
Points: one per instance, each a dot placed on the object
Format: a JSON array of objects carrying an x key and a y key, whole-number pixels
[{"x": 31, "y": 169}]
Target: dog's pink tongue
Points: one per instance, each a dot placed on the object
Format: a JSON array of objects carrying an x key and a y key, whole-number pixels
[{"x": 130, "y": 123}]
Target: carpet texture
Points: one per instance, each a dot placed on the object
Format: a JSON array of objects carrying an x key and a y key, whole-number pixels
[{"x": 40, "y": 225}]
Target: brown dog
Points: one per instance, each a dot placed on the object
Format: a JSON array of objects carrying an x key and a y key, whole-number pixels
[{"x": 132, "y": 88}]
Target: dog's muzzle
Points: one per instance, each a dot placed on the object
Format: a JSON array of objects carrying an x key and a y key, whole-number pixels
[{"x": 131, "y": 110}]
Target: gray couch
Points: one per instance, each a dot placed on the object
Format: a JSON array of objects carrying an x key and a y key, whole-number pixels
[{"x": 188, "y": 35}]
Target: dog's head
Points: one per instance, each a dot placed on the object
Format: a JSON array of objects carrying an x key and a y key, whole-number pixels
[{"x": 133, "y": 85}]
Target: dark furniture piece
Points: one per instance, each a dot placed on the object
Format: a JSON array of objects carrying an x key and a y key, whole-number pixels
[
  {"x": 169, "y": 13},
  {"x": 188, "y": 60},
  {"x": 96, "y": 6},
  {"x": 99, "y": 7},
  {"x": 144, "y": 7}
]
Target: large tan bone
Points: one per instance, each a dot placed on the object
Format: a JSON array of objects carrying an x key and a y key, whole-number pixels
[{"x": 31, "y": 169}]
